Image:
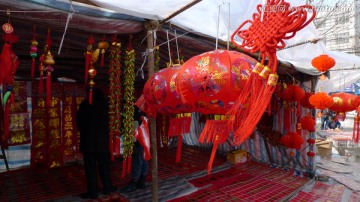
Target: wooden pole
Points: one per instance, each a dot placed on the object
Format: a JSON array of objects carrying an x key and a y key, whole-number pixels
[
  {"x": 180, "y": 11},
  {"x": 150, "y": 27}
]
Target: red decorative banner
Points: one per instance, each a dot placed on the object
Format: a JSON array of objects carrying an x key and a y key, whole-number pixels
[
  {"x": 69, "y": 132},
  {"x": 55, "y": 150},
  {"x": 19, "y": 129},
  {"x": 39, "y": 136}
]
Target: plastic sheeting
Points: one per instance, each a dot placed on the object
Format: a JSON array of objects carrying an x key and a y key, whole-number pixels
[{"x": 202, "y": 18}]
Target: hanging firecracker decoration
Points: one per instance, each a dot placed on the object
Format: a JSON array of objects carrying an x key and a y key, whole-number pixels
[
  {"x": 103, "y": 45},
  {"x": 128, "y": 133},
  {"x": 308, "y": 123},
  {"x": 33, "y": 53},
  {"x": 115, "y": 96},
  {"x": 88, "y": 56},
  {"x": 305, "y": 100},
  {"x": 48, "y": 63},
  {"x": 9, "y": 64},
  {"x": 323, "y": 62},
  {"x": 264, "y": 39},
  {"x": 344, "y": 102}
]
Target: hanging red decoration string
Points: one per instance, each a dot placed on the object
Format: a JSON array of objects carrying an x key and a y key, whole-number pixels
[
  {"x": 266, "y": 34},
  {"x": 9, "y": 64},
  {"x": 103, "y": 45},
  {"x": 115, "y": 92},
  {"x": 48, "y": 62},
  {"x": 129, "y": 79},
  {"x": 33, "y": 52},
  {"x": 88, "y": 56}
]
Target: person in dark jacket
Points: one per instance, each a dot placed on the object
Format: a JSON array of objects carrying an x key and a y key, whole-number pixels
[{"x": 93, "y": 123}]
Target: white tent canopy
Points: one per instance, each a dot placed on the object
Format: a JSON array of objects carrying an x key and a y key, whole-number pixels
[{"x": 203, "y": 18}]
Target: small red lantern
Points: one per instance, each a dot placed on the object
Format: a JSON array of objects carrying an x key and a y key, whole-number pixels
[
  {"x": 343, "y": 102},
  {"x": 305, "y": 100},
  {"x": 292, "y": 140},
  {"x": 310, "y": 154},
  {"x": 321, "y": 100},
  {"x": 310, "y": 140},
  {"x": 323, "y": 62},
  {"x": 308, "y": 123}
]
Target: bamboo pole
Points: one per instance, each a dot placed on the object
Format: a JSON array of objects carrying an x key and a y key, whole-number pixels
[{"x": 151, "y": 26}]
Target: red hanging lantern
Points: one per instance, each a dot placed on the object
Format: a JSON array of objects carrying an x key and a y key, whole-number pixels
[
  {"x": 308, "y": 123},
  {"x": 211, "y": 82},
  {"x": 321, "y": 100},
  {"x": 305, "y": 100},
  {"x": 323, "y": 62},
  {"x": 161, "y": 94},
  {"x": 310, "y": 141},
  {"x": 292, "y": 140},
  {"x": 343, "y": 102},
  {"x": 293, "y": 93},
  {"x": 310, "y": 154}
]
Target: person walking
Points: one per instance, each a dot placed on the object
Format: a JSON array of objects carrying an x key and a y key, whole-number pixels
[{"x": 93, "y": 123}]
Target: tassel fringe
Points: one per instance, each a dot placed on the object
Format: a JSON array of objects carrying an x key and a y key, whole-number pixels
[{"x": 179, "y": 126}]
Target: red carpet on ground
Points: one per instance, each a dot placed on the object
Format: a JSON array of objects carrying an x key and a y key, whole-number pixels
[{"x": 34, "y": 185}]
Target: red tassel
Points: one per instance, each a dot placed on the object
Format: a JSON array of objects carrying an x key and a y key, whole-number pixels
[
  {"x": 129, "y": 165},
  {"x": 90, "y": 96},
  {"x": 87, "y": 64},
  {"x": 111, "y": 147},
  {"x": 33, "y": 68},
  {"x": 179, "y": 125},
  {"x": 102, "y": 60},
  {"x": 356, "y": 129},
  {"x": 48, "y": 88},
  {"x": 116, "y": 147},
  {"x": 123, "y": 169},
  {"x": 178, "y": 149},
  {"x": 269, "y": 109},
  {"x": 41, "y": 84},
  {"x": 7, "y": 120},
  {"x": 213, "y": 152},
  {"x": 287, "y": 119}
]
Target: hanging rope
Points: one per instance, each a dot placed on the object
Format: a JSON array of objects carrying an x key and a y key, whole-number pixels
[
  {"x": 168, "y": 43},
  {"x": 217, "y": 29},
  {"x": 177, "y": 48},
  {"x": 69, "y": 17}
]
